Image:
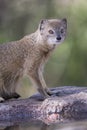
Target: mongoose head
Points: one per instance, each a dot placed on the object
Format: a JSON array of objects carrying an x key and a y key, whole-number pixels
[{"x": 53, "y": 31}]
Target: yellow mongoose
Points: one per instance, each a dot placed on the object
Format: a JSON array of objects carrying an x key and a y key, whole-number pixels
[{"x": 28, "y": 56}]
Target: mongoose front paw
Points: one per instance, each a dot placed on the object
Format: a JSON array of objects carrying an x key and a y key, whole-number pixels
[{"x": 48, "y": 92}]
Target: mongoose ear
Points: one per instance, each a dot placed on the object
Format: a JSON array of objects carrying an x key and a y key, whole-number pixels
[
  {"x": 64, "y": 22},
  {"x": 42, "y": 24}
]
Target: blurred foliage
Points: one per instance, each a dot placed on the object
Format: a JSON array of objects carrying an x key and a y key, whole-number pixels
[{"x": 68, "y": 64}]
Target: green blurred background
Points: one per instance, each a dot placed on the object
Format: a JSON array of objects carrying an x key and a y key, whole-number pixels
[{"x": 68, "y": 64}]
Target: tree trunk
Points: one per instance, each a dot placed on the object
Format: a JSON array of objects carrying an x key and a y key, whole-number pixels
[{"x": 66, "y": 104}]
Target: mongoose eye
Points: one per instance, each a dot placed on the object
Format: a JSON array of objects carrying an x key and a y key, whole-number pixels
[
  {"x": 62, "y": 30},
  {"x": 51, "y": 31}
]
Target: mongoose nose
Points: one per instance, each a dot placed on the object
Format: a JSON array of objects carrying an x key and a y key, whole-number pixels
[{"x": 58, "y": 38}]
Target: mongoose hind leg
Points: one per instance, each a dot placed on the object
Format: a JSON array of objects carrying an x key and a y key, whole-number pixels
[
  {"x": 1, "y": 99},
  {"x": 13, "y": 95}
]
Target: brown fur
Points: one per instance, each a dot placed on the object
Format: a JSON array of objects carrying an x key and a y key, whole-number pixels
[{"x": 26, "y": 56}]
